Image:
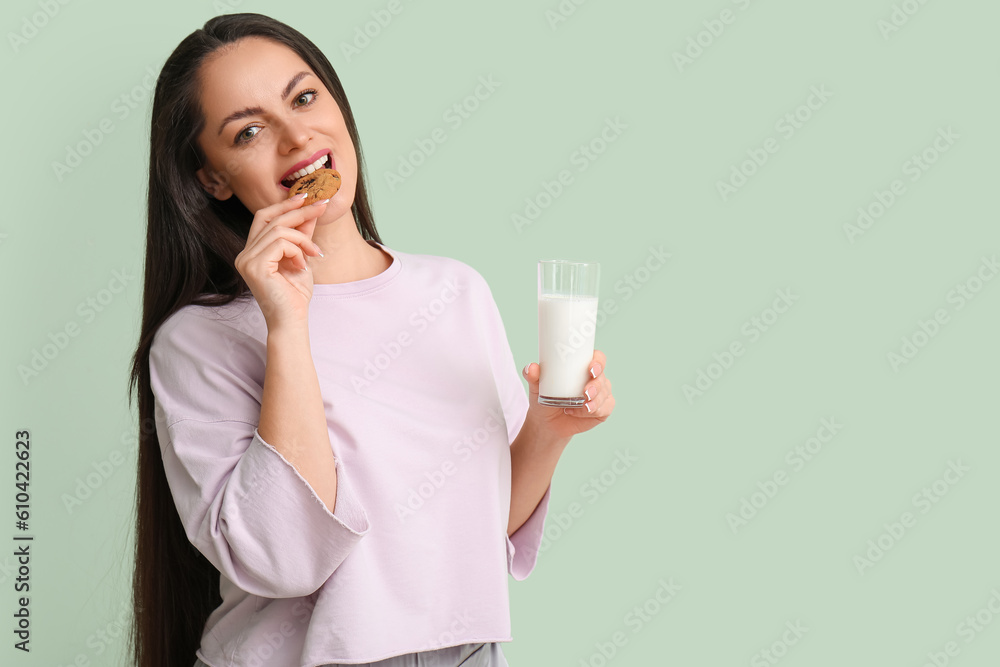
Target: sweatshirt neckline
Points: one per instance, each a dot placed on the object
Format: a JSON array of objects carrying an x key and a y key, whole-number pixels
[{"x": 359, "y": 287}]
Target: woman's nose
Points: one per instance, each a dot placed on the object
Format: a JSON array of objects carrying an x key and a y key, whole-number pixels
[{"x": 294, "y": 135}]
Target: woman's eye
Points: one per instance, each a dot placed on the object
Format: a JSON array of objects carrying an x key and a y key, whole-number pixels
[
  {"x": 247, "y": 134},
  {"x": 308, "y": 95}
]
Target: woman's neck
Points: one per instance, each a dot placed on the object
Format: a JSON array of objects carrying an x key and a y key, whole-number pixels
[{"x": 347, "y": 257}]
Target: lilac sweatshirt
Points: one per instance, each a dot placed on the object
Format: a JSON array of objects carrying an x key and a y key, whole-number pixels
[{"x": 422, "y": 400}]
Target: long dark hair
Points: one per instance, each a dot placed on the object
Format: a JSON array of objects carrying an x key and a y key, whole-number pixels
[{"x": 191, "y": 245}]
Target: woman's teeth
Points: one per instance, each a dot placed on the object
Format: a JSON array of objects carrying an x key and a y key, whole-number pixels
[{"x": 318, "y": 164}]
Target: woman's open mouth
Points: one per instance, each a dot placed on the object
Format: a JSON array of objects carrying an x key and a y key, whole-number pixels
[{"x": 323, "y": 162}]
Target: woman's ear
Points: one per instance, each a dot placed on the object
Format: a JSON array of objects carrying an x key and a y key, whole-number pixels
[{"x": 215, "y": 183}]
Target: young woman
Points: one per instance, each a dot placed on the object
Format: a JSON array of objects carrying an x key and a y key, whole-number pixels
[{"x": 344, "y": 466}]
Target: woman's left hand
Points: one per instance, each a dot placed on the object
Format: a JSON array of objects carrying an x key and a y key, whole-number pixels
[{"x": 567, "y": 422}]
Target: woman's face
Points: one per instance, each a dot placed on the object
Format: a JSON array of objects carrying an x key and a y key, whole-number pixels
[{"x": 267, "y": 115}]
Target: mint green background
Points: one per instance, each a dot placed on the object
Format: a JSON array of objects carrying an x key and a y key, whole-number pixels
[{"x": 655, "y": 186}]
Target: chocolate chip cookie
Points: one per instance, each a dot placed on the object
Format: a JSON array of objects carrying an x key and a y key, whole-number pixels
[{"x": 321, "y": 184}]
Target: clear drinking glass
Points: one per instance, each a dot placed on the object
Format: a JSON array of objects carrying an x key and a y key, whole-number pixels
[{"x": 567, "y": 322}]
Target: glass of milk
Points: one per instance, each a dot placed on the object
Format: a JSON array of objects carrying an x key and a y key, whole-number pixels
[{"x": 567, "y": 321}]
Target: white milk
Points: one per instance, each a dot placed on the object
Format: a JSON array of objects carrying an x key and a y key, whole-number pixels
[{"x": 566, "y": 327}]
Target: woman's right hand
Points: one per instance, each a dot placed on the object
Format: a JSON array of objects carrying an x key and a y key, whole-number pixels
[{"x": 274, "y": 265}]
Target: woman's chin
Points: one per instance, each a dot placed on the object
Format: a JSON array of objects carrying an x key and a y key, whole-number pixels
[{"x": 334, "y": 213}]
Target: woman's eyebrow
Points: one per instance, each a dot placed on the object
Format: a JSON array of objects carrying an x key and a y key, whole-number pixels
[{"x": 250, "y": 111}]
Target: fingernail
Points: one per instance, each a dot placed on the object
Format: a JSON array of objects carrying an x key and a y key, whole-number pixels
[
  {"x": 587, "y": 394},
  {"x": 319, "y": 250},
  {"x": 525, "y": 371},
  {"x": 301, "y": 195},
  {"x": 593, "y": 372},
  {"x": 587, "y": 405},
  {"x": 322, "y": 201}
]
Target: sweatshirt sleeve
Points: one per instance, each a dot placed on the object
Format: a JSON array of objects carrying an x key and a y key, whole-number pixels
[
  {"x": 524, "y": 544},
  {"x": 242, "y": 504}
]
